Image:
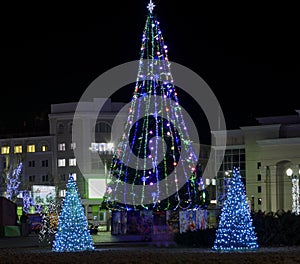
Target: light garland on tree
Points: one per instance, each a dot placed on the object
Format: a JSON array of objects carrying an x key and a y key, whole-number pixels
[
  {"x": 154, "y": 116},
  {"x": 13, "y": 181},
  {"x": 49, "y": 222},
  {"x": 235, "y": 230},
  {"x": 27, "y": 201},
  {"x": 73, "y": 233},
  {"x": 295, "y": 196}
]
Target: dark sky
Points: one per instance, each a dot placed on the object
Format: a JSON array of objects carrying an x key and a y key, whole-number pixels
[{"x": 247, "y": 53}]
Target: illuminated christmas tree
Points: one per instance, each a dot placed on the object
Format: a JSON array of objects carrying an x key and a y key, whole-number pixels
[
  {"x": 13, "y": 180},
  {"x": 155, "y": 165},
  {"x": 49, "y": 222},
  {"x": 73, "y": 233},
  {"x": 235, "y": 231}
]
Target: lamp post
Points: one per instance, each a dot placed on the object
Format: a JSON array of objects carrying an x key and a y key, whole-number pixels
[{"x": 295, "y": 190}]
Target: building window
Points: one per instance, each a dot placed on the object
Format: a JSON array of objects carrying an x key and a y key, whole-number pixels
[
  {"x": 259, "y": 201},
  {"x": 62, "y": 147},
  {"x": 70, "y": 127},
  {"x": 103, "y": 127},
  {"x": 61, "y": 163},
  {"x": 259, "y": 189},
  {"x": 72, "y": 162},
  {"x": 17, "y": 149},
  {"x": 45, "y": 178},
  {"x": 32, "y": 178},
  {"x": 60, "y": 129},
  {"x": 31, "y": 163},
  {"x": 258, "y": 165},
  {"x": 258, "y": 177},
  {"x": 44, "y": 163},
  {"x": 30, "y": 148},
  {"x": 5, "y": 150},
  {"x": 73, "y": 146},
  {"x": 74, "y": 175},
  {"x": 102, "y": 147},
  {"x": 62, "y": 193},
  {"x": 44, "y": 148}
]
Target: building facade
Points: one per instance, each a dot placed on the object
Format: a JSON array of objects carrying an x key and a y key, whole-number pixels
[
  {"x": 263, "y": 152},
  {"x": 49, "y": 160}
]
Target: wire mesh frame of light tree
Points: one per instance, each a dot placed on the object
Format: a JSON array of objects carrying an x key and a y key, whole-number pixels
[
  {"x": 153, "y": 105},
  {"x": 73, "y": 233},
  {"x": 49, "y": 224},
  {"x": 235, "y": 229},
  {"x": 13, "y": 175}
]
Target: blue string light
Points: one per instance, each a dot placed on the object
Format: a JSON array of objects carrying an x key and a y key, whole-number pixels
[
  {"x": 235, "y": 231},
  {"x": 73, "y": 233}
]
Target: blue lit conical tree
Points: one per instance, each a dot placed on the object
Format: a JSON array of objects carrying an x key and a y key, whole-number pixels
[
  {"x": 73, "y": 233},
  {"x": 145, "y": 171},
  {"x": 235, "y": 230}
]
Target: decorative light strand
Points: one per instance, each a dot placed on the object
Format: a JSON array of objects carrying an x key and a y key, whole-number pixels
[
  {"x": 73, "y": 233},
  {"x": 154, "y": 79},
  {"x": 235, "y": 230}
]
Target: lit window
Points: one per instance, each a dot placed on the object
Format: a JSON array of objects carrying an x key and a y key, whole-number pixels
[
  {"x": 62, "y": 147},
  {"x": 44, "y": 148},
  {"x": 96, "y": 188},
  {"x": 61, "y": 163},
  {"x": 31, "y": 148},
  {"x": 73, "y": 145},
  {"x": 62, "y": 193},
  {"x": 110, "y": 146},
  {"x": 5, "y": 150},
  {"x": 72, "y": 162},
  {"x": 17, "y": 149},
  {"x": 102, "y": 147},
  {"x": 74, "y": 175}
]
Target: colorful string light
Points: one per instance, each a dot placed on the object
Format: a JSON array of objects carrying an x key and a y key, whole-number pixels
[{"x": 155, "y": 125}]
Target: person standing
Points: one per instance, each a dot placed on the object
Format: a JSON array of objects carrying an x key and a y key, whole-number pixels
[{"x": 24, "y": 224}]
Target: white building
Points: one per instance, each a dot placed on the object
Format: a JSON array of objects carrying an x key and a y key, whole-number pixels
[
  {"x": 264, "y": 152},
  {"x": 49, "y": 160}
]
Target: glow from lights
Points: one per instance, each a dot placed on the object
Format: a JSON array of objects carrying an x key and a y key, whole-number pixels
[
  {"x": 73, "y": 233},
  {"x": 235, "y": 230}
]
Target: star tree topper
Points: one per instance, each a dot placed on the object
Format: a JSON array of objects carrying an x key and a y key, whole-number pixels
[{"x": 150, "y": 6}]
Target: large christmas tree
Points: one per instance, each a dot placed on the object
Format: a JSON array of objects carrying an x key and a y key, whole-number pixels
[
  {"x": 155, "y": 165},
  {"x": 73, "y": 233},
  {"x": 235, "y": 230}
]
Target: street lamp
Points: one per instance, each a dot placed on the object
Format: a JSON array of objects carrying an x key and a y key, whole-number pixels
[{"x": 295, "y": 190}]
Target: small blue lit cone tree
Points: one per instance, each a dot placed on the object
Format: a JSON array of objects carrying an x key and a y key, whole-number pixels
[
  {"x": 235, "y": 231},
  {"x": 73, "y": 233}
]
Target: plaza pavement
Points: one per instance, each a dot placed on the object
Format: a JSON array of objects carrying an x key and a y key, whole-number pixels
[{"x": 101, "y": 239}]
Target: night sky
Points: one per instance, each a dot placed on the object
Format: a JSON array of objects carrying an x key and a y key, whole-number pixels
[{"x": 247, "y": 53}]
